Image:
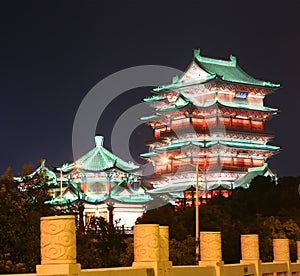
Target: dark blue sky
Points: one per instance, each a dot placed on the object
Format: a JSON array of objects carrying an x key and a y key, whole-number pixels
[{"x": 53, "y": 52}]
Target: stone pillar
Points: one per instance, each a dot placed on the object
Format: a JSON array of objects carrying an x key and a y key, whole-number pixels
[
  {"x": 151, "y": 248},
  {"x": 164, "y": 242},
  {"x": 58, "y": 246},
  {"x": 281, "y": 252},
  {"x": 211, "y": 251},
  {"x": 250, "y": 251},
  {"x": 146, "y": 243},
  {"x": 164, "y": 250},
  {"x": 298, "y": 251},
  {"x": 249, "y": 246},
  {"x": 210, "y": 246}
]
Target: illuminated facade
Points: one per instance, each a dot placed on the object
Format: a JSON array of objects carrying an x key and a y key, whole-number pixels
[{"x": 213, "y": 116}]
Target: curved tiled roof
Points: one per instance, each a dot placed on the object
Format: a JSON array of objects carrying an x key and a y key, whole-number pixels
[
  {"x": 100, "y": 159},
  {"x": 223, "y": 69},
  {"x": 229, "y": 70}
]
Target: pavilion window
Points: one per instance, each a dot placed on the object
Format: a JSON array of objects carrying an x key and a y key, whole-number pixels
[
  {"x": 197, "y": 122},
  {"x": 211, "y": 121},
  {"x": 225, "y": 193},
  {"x": 213, "y": 161},
  {"x": 246, "y": 123},
  {"x": 226, "y": 161},
  {"x": 226, "y": 121},
  {"x": 248, "y": 162},
  {"x": 181, "y": 123},
  {"x": 215, "y": 192},
  {"x": 238, "y": 162},
  {"x": 259, "y": 125},
  {"x": 243, "y": 123},
  {"x": 96, "y": 187},
  {"x": 204, "y": 162},
  {"x": 157, "y": 132},
  {"x": 258, "y": 162}
]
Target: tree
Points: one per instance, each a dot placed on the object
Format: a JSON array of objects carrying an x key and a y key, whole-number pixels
[
  {"x": 20, "y": 213},
  {"x": 100, "y": 245},
  {"x": 183, "y": 252},
  {"x": 181, "y": 222}
]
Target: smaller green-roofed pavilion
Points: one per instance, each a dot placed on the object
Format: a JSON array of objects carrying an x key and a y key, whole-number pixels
[{"x": 104, "y": 184}]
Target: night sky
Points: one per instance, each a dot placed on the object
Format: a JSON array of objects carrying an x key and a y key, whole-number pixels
[{"x": 53, "y": 52}]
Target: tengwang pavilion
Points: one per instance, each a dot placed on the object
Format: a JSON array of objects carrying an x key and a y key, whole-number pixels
[{"x": 213, "y": 117}]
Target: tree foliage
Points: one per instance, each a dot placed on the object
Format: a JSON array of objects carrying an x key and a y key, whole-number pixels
[
  {"x": 266, "y": 208},
  {"x": 100, "y": 245},
  {"x": 20, "y": 213}
]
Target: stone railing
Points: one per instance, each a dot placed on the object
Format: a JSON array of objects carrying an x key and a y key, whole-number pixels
[{"x": 151, "y": 254}]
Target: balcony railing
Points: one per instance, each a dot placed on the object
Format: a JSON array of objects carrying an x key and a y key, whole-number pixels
[
  {"x": 205, "y": 130},
  {"x": 210, "y": 167}
]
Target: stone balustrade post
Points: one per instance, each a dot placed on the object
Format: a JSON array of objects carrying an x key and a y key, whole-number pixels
[
  {"x": 151, "y": 248},
  {"x": 281, "y": 252},
  {"x": 146, "y": 243},
  {"x": 250, "y": 251},
  {"x": 298, "y": 251},
  {"x": 164, "y": 243},
  {"x": 211, "y": 251},
  {"x": 164, "y": 250},
  {"x": 58, "y": 246}
]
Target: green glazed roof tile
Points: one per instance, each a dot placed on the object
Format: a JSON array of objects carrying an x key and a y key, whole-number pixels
[
  {"x": 250, "y": 146},
  {"x": 229, "y": 70},
  {"x": 149, "y": 118},
  {"x": 223, "y": 69},
  {"x": 149, "y": 154},
  {"x": 100, "y": 159},
  {"x": 245, "y": 180},
  {"x": 43, "y": 170},
  {"x": 183, "y": 84},
  {"x": 154, "y": 98}
]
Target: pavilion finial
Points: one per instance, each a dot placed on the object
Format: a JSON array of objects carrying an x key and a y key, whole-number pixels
[{"x": 99, "y": 141}]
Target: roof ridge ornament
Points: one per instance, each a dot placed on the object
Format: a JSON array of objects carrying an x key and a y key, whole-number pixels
[
  {"x": 175, "y": 79},
  {"x": 233, "y": 59},
  {"x": 42, "y": 162},
  {"x": 215, "y": 61},
  {"x": 196, "y": 52},
  {"x": 99, "y": 141}
]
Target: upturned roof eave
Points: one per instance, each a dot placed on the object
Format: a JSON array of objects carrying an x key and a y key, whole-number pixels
[
  {"x": 183, "y": 84},
  {"x": 205, "y": 63}
]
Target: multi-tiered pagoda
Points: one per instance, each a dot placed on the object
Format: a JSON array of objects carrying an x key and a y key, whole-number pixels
[{"x": 213, "y": 117}]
